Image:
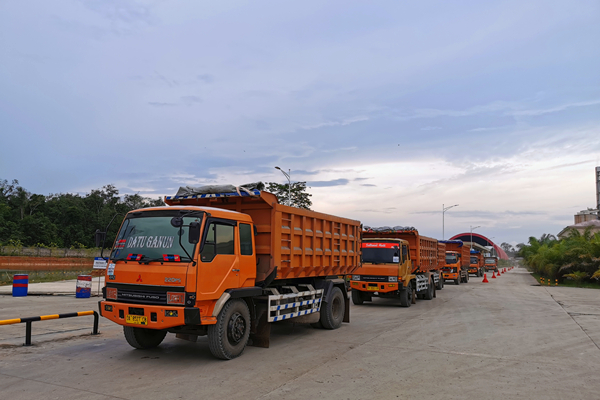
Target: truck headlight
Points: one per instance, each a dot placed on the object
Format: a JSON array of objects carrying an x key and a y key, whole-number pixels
[
  {"x": 392, "y": 279},
  {"x": 356, "y": 277}
]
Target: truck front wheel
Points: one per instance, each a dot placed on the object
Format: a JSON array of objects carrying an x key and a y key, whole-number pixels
[
  {"x": 332, "y": 312},
  {"x": 143, "y": 338},
  {"x": 406, "y": 297},
  {"x": 440, "y": 284},
  {"x": 357, "y": 297},
  {"x": 227, "y": 338}
]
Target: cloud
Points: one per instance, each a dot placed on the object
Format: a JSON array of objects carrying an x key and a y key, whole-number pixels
[
  {"x": 334, "y": 182},
  {"x": 206, "y": 78},
  {"x": 367, "y": 184},
  {"x": 161, "y": 104},
  {"x": 191, "y": 100}
]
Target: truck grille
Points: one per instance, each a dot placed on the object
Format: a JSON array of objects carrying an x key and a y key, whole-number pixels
[
  {"x": 143, "y": 294},
  {"x": 373, "y": 278}
]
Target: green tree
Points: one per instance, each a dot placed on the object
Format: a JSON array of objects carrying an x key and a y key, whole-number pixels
[{"x": 299, "y": 196}]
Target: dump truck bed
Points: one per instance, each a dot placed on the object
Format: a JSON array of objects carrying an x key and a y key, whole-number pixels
[
  {"x": 300, "y": 243},
  {"x": 423, "y": 249}
]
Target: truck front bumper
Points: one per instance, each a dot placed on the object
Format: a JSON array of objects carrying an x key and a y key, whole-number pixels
[
  {"x": 150, "y": 317},
  {"x": 450, "y": 275},
  {"x": 371, "y": 287}
]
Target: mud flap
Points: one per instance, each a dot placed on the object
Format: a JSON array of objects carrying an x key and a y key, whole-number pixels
[
  {"x": 347, "y": 308},
  {"x": 261, "y": 330}
]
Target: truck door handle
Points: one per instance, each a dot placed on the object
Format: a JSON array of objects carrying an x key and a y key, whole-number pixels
[{"x": 235, "y": 270}]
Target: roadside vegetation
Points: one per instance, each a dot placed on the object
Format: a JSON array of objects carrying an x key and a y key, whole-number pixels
[
  {"x": 573, "y": 261},
  {"x": 63, "y": 220}
]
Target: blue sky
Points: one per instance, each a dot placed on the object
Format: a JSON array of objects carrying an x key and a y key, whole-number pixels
[{"x": 388, "y": 109}]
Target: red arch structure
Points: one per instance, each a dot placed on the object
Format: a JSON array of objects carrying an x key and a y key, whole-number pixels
[{"x": 482, "y": 240}]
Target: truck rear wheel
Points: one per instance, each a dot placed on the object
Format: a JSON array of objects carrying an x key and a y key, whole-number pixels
[
  {"x": 428, "y": 295},
  {"x": 440, "y": 284},
  {"x": 457, "y": 280},
  {"x": 143, "y": 338},
  {"x": 357, "y": 297},
  {"x": 227, "y": 339},
  {"x": 332, "y": 312}
]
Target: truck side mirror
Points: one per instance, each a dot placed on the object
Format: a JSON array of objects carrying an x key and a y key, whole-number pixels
[
  {"x": 100, "y": 236},
  {"x": 194, "y": 232}
]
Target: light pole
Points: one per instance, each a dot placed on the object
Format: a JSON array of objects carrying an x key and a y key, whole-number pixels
[
  {"x": 444, "y": 209},
  {"x": 287, "y": 175},
  {"x": 472, "y": 229}
]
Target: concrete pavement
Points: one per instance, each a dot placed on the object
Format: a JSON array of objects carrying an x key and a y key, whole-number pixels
[{"x": 507, "y": 339}]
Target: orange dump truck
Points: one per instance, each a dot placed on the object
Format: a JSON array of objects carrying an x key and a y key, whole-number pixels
[
  {"x": 397, "y": 264},
  {"x": 226, "y": 262},
  {"x": 476, "y": 264},
  {"x": 490, "y": 263},
  {"x": 458, "y": 258}
]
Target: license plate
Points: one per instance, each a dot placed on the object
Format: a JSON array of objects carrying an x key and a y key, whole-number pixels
[
  {"x": 373, "y": 288},
  {"x": 136, "y": 319}
]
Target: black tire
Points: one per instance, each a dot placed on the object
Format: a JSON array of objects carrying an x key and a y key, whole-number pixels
[
  {"x": 440, "y": 284},
  {"x": 143, "y": 338},
  {"x": 406, "y": 297},
  {"x": 467, "y": 278},
  {"x": 428, "y": 295},
  {"x": 227, "y": 338},
  {"x": 357, "y": 297},
  {"x": 457, "y": 280},
  {"x": 332, "y": 312}
]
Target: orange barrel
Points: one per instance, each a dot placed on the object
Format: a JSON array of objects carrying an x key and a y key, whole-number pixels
[
  {"x": 84, "y": 287},
  {"x": 20, "y": 285}
]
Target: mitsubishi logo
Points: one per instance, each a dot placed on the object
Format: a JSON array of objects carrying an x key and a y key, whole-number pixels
[{"x": 139, "y": 279}]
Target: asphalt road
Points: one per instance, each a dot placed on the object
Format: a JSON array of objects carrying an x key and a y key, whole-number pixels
[{"x": 508, "y": 339}]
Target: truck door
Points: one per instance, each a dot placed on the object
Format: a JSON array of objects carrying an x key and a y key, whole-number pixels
[{"x": 219, "y": 267}]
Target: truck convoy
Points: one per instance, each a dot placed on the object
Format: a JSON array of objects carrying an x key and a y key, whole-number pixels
[
  {"x": 226, "y": 262},
  {"x": 397, "y": 263},
  {"x": 458, "y": 258},
  {"x": 476, "y": 264},
  {"x": 490, "y": 263}
]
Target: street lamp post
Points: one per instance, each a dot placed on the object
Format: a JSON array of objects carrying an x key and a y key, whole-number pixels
[
  {"x": 444, "y": 209},
  {"x": 472, "y": 229},
  {"x": 288, "y": 176}
]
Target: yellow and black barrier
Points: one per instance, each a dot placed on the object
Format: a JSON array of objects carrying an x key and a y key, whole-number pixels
[{"x": 29, "y": 320}]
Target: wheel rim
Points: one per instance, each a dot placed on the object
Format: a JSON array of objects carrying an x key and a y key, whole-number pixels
[{"x": 236, "y": 328}]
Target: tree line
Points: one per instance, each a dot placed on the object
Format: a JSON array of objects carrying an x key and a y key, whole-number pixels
[
  {"x": 62, "y": 220},
  {"x": 68, "y": 220},
  {"x": 576, "y": 256}
]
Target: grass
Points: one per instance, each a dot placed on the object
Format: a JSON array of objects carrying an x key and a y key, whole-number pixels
[{"x": 568, "y": 283}]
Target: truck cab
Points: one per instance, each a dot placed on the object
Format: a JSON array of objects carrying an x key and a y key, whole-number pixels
[
  {"x": 476, "y": 263},
  {"x": 491, "y": 263},
  {"x": 453, "y": 268},
  {"x": 385, "y": 271}
]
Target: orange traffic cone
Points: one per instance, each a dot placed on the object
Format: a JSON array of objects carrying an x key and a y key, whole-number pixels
[
  {"x": 485, "y": 280},
  {"x": 494, "y": 275}
]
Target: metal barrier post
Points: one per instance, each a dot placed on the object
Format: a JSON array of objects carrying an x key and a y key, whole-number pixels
[
  {"x": 95, "y": 330},
  {"x": 27, "y": 333}
]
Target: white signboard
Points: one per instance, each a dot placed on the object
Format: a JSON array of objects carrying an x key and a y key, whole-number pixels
[{"x": 100, "y": 263}]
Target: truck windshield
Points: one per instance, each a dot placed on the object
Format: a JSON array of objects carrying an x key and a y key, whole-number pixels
[
  {"x": 451, "y": 259},
  {"x": 490, "y": 261},
  {"x": 380, "y": 253},
  {"x": 473, "y": 260},
  {"x": 151, "y": 237}
]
